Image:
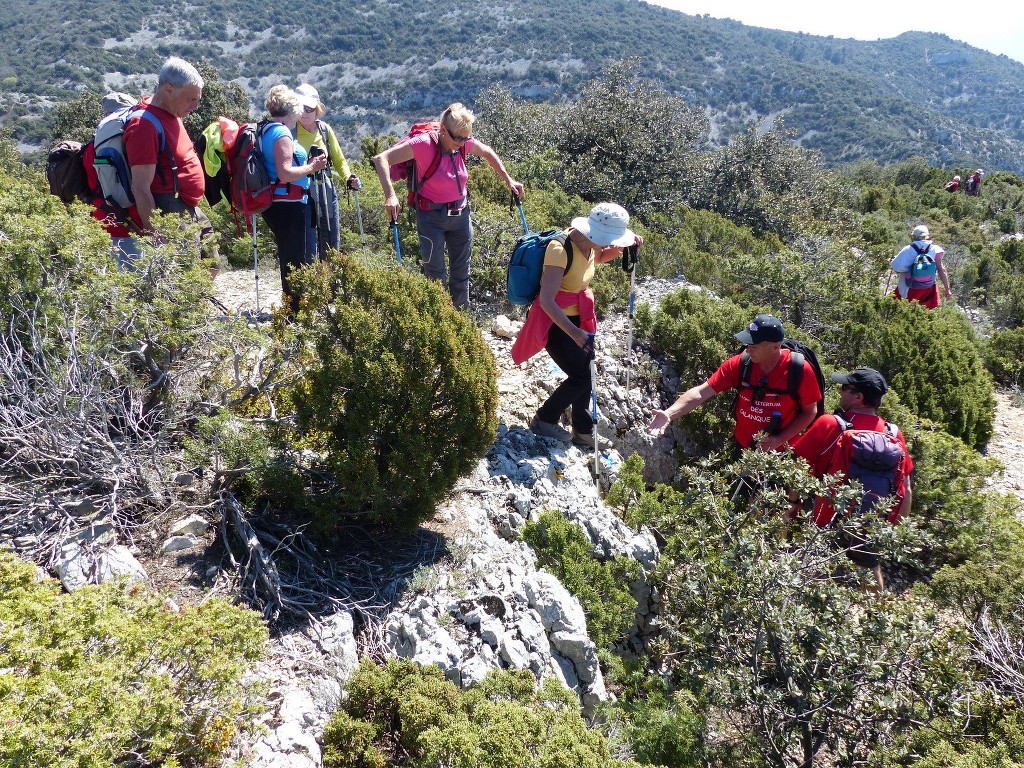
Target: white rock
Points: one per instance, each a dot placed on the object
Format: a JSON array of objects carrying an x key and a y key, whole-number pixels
[
  {"x": 193, "y": 525},
  {"x": 559, "y": 611},
  {"x": 178, "y": 543},
  {"x": 514, "y": 652}
]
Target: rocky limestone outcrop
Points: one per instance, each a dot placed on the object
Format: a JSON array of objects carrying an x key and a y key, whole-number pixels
[{"x": 487, "y": 605}]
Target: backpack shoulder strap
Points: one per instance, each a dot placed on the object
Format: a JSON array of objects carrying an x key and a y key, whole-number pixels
[
  {"x": 142, "y": 112},
  {"x": 745, "y": 365},
  {"x": 154, "y": 120},
  {"x": 322, "y": 130},
  {"x": 569, "y": 250},
  {"x": 435, "y": 161},
  {"x": 796, "y": 374},
  {"x": 891, "y": 429},
  {"x": 566, "y": 243},
  {"x": 919, "y": 251}
]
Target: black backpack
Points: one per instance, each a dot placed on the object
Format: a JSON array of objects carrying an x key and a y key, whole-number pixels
[{"x": 801, "y": 352}]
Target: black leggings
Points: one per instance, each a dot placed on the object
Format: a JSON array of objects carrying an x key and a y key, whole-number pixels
[
  {"x": 575, "y": 390},
  {"x": 289, "y": 222}
]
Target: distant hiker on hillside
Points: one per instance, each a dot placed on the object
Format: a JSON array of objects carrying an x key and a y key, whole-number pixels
[
  {"x": 442, "y": 197},
  {"x": 562, "y": 319},
  {"x": 289, "y": 167},
  {"x": 166, "y": 172},
  {"x": 768, "y": 417},
  {"x": 917, "y": 267},
  {"x": 953, "y": 185},
  {"x": 314, "y": 132},
  {"x": 973, "y": 186},
  {"x": 879, "y": 461}
]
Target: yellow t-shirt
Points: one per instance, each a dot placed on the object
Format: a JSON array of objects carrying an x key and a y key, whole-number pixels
[
  {"x": 340, "y": 170},
  {"x": 580, "y": 272}
]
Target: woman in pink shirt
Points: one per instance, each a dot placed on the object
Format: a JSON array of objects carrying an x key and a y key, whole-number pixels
[{"x": 442, "y": 197}]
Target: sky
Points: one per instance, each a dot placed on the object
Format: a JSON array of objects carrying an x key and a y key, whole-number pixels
[{"x": 991, "y": 25}]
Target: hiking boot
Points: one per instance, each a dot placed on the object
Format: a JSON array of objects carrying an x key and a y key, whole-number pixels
[
  {"x": 547, "y": 429},
  {"x": 586, "y": 440}
]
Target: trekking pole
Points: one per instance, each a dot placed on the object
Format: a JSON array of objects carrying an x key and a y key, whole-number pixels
[
  {"x": 522, "y": 214},
  {"x": 322, "y": 192},
  {"x": 629, "y": 259},
  {"x": 359, "y": 217},
  {"x": 255, "y": 262},
  {"x": 398, "y": 248},
  {"x": 887, "y": 279},
  {"x": 593, "y": 407}
]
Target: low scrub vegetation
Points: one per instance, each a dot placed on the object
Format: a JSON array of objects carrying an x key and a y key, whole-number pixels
[{"x": 367, "y": 407}]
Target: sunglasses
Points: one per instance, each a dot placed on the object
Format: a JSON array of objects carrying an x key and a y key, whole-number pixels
[
  {"x": 761, "y": 389},
  {"x": 455, "y": 137},
  {"x": 848, "y": 388},
  {"x": 307, "y": 110}
]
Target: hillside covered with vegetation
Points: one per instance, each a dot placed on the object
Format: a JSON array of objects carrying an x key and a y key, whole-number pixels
[
  {"x": 387, "y": 64},
  {"x": 365, "y": 411}
]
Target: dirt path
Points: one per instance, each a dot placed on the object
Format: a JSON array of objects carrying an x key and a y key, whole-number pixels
[
  {"x": 1007, "y": 445},
  {"x": 236, "y": 288}
]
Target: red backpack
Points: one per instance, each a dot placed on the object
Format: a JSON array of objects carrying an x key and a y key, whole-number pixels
[
  {"x": 252, "y": 191},
  {"x": 406, "y": 170},
  {"x": 874, "y": 459}
]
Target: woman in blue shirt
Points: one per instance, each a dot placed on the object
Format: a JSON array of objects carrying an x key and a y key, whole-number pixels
[{"x": 289, "y": 167}]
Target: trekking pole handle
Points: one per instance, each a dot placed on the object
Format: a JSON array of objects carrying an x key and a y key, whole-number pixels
[{"x": 590, "y": 346}]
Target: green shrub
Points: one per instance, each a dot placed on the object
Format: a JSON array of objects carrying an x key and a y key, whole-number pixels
[
  {"x": 404, "y": 715},
  {"x": 601, "y": 587},
  {"x": 396, "y": 391},
  {"x": 993, "y": 737},
  {"x": 1004, "y": 356},
  {"x": 662, "y": 727},
  {"x": 930, "y": 358},
  {"x": 108, "y": 675},
  {"x": 990, "y": 574},
  {"x": 700, "y": 245},
  {"x": 778, "y": 640}
]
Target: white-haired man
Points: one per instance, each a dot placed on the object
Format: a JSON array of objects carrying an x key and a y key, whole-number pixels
[{"x": 167, "y": 174}]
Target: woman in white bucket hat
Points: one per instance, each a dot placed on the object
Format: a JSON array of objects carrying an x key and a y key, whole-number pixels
[{"x": 562, "y": 319}]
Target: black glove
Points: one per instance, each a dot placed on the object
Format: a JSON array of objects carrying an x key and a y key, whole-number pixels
[
  {"x": 354, "y": 183},
  {"x": 630, "y": 257}
]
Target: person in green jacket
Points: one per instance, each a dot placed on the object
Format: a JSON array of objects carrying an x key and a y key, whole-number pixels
[{"x": 323, "y": 194}]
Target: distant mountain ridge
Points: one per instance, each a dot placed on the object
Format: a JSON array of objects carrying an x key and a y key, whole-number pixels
[{"x": 380, "y": 64}]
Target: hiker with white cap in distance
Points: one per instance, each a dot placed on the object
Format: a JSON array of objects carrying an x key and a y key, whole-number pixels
[
  {"x": 563, "y": 321},
  {"x": 314, "y": 132},
  {"x": 917, "y": 267}
]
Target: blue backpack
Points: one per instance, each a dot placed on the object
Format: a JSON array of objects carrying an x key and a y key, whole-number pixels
[
  {"x": 922, "y": 272},
  {"x": 527, "y": 264}
]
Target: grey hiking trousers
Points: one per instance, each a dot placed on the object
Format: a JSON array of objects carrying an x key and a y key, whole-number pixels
[{"x": 437, "y": 229}]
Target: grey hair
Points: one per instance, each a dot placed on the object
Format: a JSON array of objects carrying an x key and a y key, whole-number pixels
[
  {"x": 178, "y": 73},
  {"x": 282, "y": 101}
]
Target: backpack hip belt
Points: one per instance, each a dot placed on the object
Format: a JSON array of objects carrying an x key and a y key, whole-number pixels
[{"x": 454, "y": 208}]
